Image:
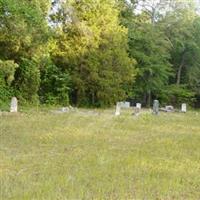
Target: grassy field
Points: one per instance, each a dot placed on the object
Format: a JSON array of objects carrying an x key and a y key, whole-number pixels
[{"x": 95, "y": 155}]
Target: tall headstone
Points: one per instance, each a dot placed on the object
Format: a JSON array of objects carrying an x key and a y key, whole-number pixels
[
  {"x": 184, "y": 107},
  {"x": 118, "y": 109},
  {"x": 155, "y": 107},
  {"x": 14, "y": 105}
]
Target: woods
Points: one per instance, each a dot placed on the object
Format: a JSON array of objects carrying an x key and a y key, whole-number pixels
[{"x": 94, "y": 53}]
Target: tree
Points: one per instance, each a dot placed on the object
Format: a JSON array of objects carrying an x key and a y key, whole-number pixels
[
  {"x": 182, "y": 29},
  {"x": 23, "y": 32},
  {"x": 92, "y": 47},
  {"x": 7, "y": 71},
  {"x": 55, "y": 85},
  {"x": 151, "y": 48}
]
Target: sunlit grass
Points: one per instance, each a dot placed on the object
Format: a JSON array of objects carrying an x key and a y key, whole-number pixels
[{"x": 95, "y": 155}]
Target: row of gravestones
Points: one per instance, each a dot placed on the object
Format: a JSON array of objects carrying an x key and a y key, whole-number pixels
[
  {"x": 14, "y": 107},
  {"x": 167, "y": 108},
  {"x": 139, "y": 106}
]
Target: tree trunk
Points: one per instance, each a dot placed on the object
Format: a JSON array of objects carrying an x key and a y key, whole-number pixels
[
  {"x": 153, "y": 16},
  {"x": 180, "y": 70},
  {"x": 93, "y": 98},
  {"x": 149, "y": 99}
]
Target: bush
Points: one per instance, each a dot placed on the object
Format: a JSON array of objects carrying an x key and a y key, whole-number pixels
[
  {"x": 7, "y": 70},
  {"x": 27, "y": 81},
  {"x": 54, "y": 88},
  {"x": 177, "y": 94}
]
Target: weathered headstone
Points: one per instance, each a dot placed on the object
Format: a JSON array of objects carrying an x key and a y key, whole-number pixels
[
  {"x": 136, "y": 111},
  {"x": 167, "y": 109},
  {"x": 124, "y": 104},
  {"x": 184, "y": 107},
  {"x": 155, "y": 107},
  {"x": 118, "y": 109},
  {"x": 14, "y": 105}
]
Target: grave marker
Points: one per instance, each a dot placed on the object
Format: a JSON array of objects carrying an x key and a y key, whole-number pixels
[
  {"x": 184, "y": 107},
  {"x": 124, "y": 104},
  {"x": 14, "y": 105},
  {"x": 139, "y": 105},
  {"x": 118, "y": 109},
  {"x": 136, "y": 111},
  {"x": 155, "y": 107}
]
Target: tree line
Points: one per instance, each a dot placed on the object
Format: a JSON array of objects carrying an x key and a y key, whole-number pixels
[{"x": 94, "y": 53}]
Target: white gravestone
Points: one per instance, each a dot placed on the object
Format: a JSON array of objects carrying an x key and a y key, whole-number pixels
[
  {"x": 13, "y": 105},
  {"x": 184, "y": 108},
  {"x": 139, "y": 106},
  {"x": 137, "y": 109},
  {"x": 118, "y": 108}
]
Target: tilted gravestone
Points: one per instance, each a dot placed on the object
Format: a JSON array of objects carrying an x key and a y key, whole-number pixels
[
  {"x": 118, "y": 109},
  {"x": 184, "y": 107},
  {"x": 14, "y": 105},
  {"x": 155, "y": 107},
  {"x": 169, "y": 108}
]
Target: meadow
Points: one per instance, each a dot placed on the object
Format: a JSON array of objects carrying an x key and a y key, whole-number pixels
[{"x": 92, "y": 154}]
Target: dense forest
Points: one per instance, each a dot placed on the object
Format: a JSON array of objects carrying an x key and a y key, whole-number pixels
[{"x": 94, "y": 53}]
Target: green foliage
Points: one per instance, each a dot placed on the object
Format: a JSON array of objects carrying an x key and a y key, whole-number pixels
[
  {"x": 22, "y": 35},
  {"x": 165, "y": 43},
  {"x": 23, "y": 27},
  {"x": 176, "y": 95},
  {"x": 97, "y": 52},
  {"x": 149, "y": 46},
  {"x": 27, "y": 81},
  {"x": 92, "y": 47},
  {"x": 55, "y": 84},
  {"x": 183, "y": 32},
  {"x": 7, "y": 70},
  {"x": 193, "y": 72}
]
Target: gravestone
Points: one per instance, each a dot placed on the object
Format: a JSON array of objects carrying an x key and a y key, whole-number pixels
[
  {"x": 14, "y": 105},
  {"x": 139, "y": 106},
  {"x": 136, "y": 111},
  {"x": 167, "y": 109},
  {"x": 155, "y": 107},
  {"x": 118, "y": 109},
  {"x": 184, "y": 107},
  {"x": 124, "y": 104}
]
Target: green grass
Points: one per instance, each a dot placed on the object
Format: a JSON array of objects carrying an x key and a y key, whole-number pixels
[{"x": 86, "y": 156}]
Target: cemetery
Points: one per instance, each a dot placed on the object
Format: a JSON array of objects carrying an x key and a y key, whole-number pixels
[{"x": 99, "y": 99}]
